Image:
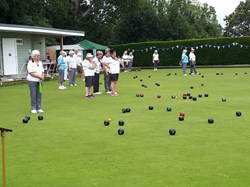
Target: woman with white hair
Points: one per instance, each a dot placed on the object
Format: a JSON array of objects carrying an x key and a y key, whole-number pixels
[
  {"x": 89, "y": 67},
  {"x": 35, "y": 79},
  {"x": 184, "y": 60},
  {"x": 61, "y": 65},
  {"x": 156, "y": 60}
]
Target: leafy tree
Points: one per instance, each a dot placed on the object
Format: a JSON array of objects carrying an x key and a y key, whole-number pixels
[{"x": 238, "y": 23}]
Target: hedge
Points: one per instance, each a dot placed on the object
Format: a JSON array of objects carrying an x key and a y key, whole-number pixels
[{"x": 211, "y": 51}]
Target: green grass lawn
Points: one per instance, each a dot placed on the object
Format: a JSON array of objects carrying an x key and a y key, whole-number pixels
[{"x": 72, "y": 148}]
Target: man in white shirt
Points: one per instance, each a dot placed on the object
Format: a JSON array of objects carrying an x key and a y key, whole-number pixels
[
  {"x": 192, "y": 60},
  {"x": 72, "y": 68},
  {"x": 125, "y": 59},
  {"x": 156, "y": 59}
]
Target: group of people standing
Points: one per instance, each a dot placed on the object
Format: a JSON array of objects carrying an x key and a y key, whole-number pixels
[
  {"x": 89, "y": 69},
  {"x": 185, "y": 60}
]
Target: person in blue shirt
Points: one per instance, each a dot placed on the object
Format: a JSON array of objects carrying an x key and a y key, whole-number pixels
[
  {"x": 184, "y": 60},
  {"x": 61, "y": 65}
]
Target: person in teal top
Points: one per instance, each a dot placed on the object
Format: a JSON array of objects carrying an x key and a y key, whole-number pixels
[
  {"x": 61, "y": 65},
  {"x": 184, "y": 60}
]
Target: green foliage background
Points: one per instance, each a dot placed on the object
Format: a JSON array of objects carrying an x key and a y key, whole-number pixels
[{"x": 235, "y": 54}]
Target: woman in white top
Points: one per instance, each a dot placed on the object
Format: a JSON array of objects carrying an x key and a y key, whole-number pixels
[
  {"x": 131, "y": 60},
  {"x": 98, "y": 65},
  {"x": 72, "y": 68},
  {"x": 35, "y": 77},
  {"x": 156, "y": 59},
  {"x": 192, "y": 60},
  {"x": 89, "y": 67},
  {"x": 125, "y": 59},
  {"x": 114, "y": 65}
]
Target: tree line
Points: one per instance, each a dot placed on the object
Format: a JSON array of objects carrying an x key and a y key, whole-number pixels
[{"x": 115, "y": 21}]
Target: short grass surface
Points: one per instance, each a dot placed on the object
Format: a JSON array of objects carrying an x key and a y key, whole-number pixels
[{"x": 72, "y": 147}]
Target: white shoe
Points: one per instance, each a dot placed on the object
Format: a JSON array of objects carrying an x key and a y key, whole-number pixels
[
  {"x": 64, "y": 87},
  {"x": 33, "y": 111},
  {"x": 71, "y": 85},
  {"x": 60, "y": 88},
  {"x": 75, "y": 84},
  {"x": 185, "y": 75},
  {"x": 192, "y": 73},
  {"x": 40, "y": 111},
  {"x": 108, "y": 92},
  {"x": 98, "y": 93}
]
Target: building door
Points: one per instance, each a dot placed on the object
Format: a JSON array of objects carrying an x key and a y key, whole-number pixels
[{"x": 10, "y": 64}]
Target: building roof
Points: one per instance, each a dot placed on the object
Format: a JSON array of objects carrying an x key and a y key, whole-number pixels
[
  {"x": 68, "y": 47},
  {"x": 45, "y": 31},
  {"x": 91, "y": 45}
]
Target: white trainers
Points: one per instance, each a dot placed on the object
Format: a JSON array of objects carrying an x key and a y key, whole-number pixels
[
  {"x": 108, "y": 92},
  {"x": 71, "y": 85},
  {"x": 98, "y": 93},
  {"x": 75, "y": 84},
  {"x": 185, "y": 75},
  {"x": 40, "y": 111},
  {"x": 60, "y": 88},
  {"x": 192, "y": 73},
  {"x": 33, "y": 111}
]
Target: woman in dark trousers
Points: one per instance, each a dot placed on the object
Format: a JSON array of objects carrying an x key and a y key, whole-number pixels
[
  {"x": 35, "y": 77},
  {"x": 98, "y": 65}
]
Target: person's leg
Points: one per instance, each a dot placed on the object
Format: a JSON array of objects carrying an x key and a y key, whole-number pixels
[
  {"x": 66, "y": 74},
  {"x": 74, "y": 76},
  {"x": 38, "y": 98},
  {"x": 33, "y": 100},
  {"x": 106, "y": 82},
  {"x": 194, "y": 69},
  {"x": 113, "y": 87},
  {"x": 95, "y": 83},
  {"x": 70, "y": 77},
  {"x": 184, "y": 67},
  {"x": 191, "y": 68}
]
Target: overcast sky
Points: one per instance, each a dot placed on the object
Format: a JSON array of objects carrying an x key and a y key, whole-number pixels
[{"x": 222, "y": 7}]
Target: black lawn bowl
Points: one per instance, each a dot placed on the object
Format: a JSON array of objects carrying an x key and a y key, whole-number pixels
[
  {"x": 27, "y": 116},
  {"x": 145, "y": 86},
  {"x": 223, "y": 99},
  {"x": 141, "y": 80},
  {"x": 200, "y": 95},
  {"x": 184, "y": 97},
  {"x": 157, "y": 84},
  {"x": 188, "y": 94},
  {"x": 236, "y": 73},
  {"x": 121, "y": 123},
  {"x": 124, "y": 110},
  {"x": 202, "y": 84},
  {"x": 210, "y": 121},
  {"x": 158, "y": 96},
  {"x": 172, "y": 132},
  {"x": 128, "y": 110},
  {"x": 238, "y": 113},
  {"x": 149, "y": 76},
  {"x": 191, "y": 87},
  {"x": 173, "y": 96},
  {"x": 169, "y": 109},
  {"x": 217, "y": 73},
  {"x": 194, "y": 98},
  {"x": 137, "y": 95},
  {"x": 181, "y": 118},
  {"x": 40, "y": 118},
  {"x": 221, "y": 74},
  {"x": 120, "y": 131},
  {"x": 206, "y": 95},
  {"x": 151, "y": 108},
  {"x": 25, "y": 120},
  {"x": 175, "y": 74},
  {"x": 202, "y": 76},
  {"x": 142, "y": 85},
  {"x": 106, "y": 122},
  {"x": 245, "y": 73},
  {"x": 190, "y": 97}
]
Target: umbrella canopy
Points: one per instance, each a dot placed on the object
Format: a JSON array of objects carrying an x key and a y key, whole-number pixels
[{"x": 91, "y": 45}]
